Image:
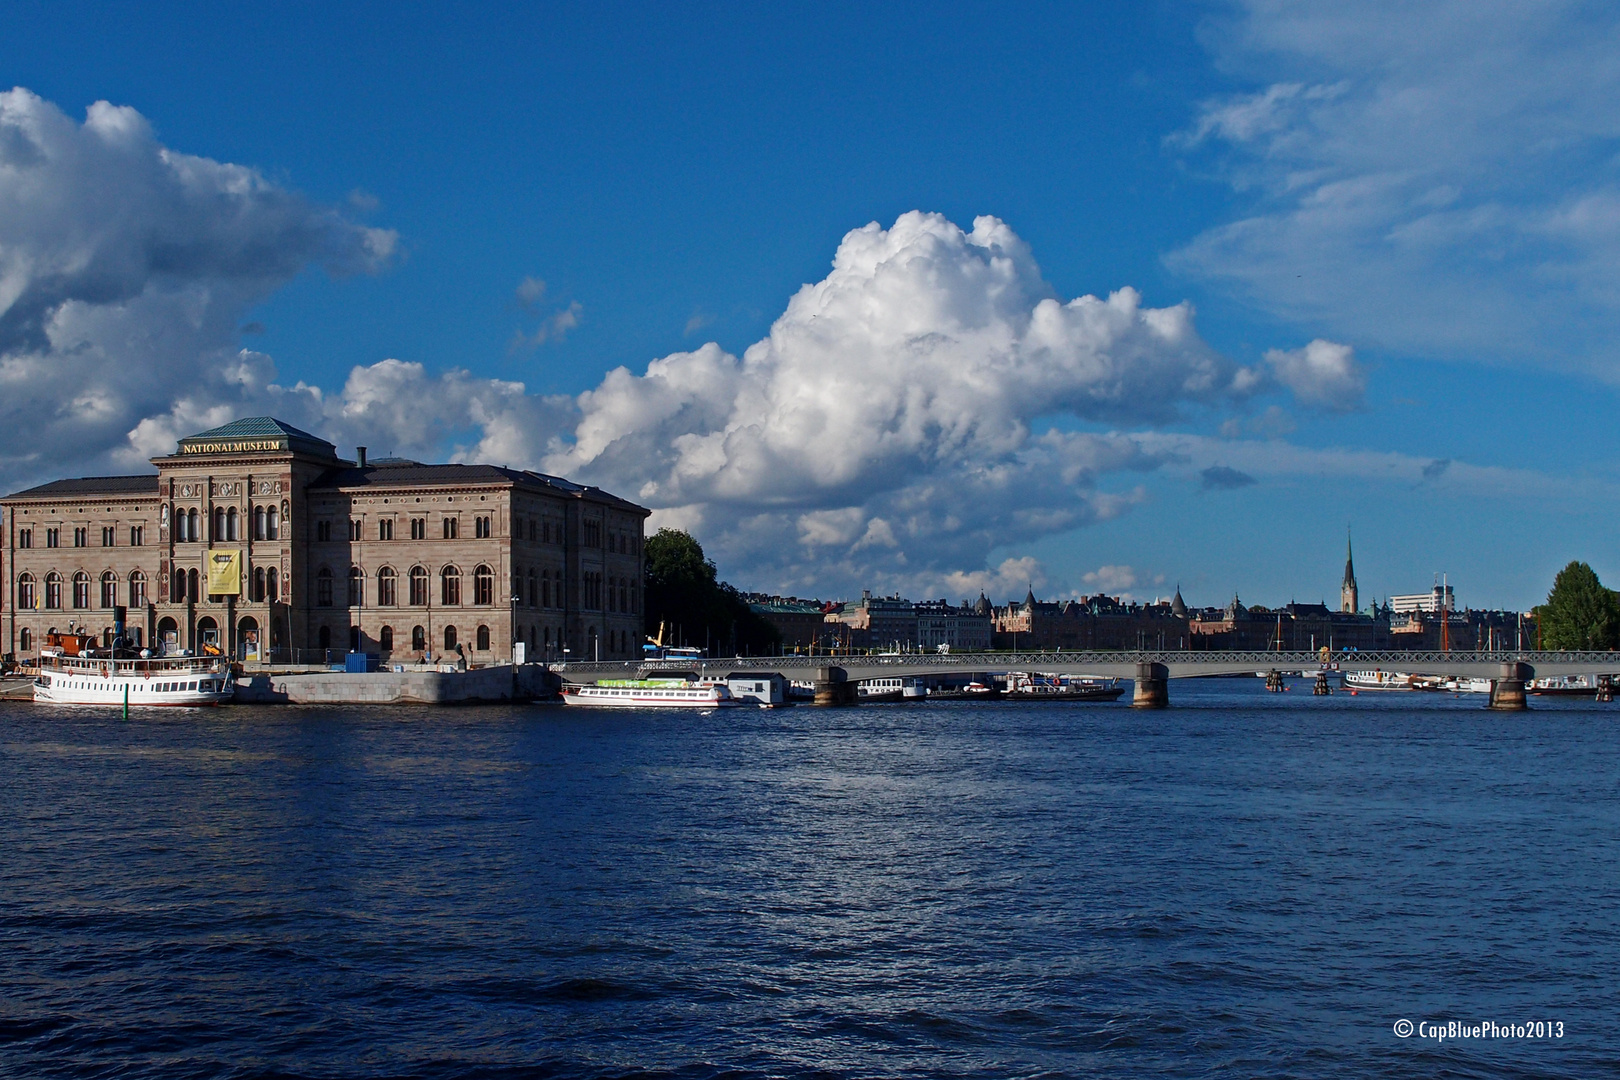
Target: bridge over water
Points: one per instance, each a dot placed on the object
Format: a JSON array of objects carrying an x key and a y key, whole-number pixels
[{"x": 1149, "y": 669}]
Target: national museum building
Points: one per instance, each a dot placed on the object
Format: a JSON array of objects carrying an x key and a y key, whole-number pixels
[{"x": 257, "y": 538}]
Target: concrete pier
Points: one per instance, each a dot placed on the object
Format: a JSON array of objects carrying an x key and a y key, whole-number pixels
[
  {"x": 1152, "y": 686},
  {"x": 1507, "y": 689},
  {"x": 503, "y": 683},
  {"x": 834, "y": 687}
]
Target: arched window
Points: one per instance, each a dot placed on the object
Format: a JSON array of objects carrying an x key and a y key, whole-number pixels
[
  {"x": 357, "y": 587},
  {"x": 354, "y": 639},
  {"x": 450, "y": 586},
  {"x": 385, "y": 639},
  {"x": 231, "y": 530},
  {"x": 323, "y": 588},
  {"x": 483, "y": 586},
  {"x": 324, "y": 638},
  {"x": 613, "y": 594},
  {"x": 137, "y": 589},
  {"x": 387, "y": 586},
  {"x": 177, "y": 588},
  {"x": 449, "y": 639},
  {"x": 419, "y": 587},
  {"x": 258, "y": 584},
  {"x": 545, "y": 588},
  {"x": 483, "y": 639},
  {"x": 109, "y": 589},
  {"x": 192, "y": 592},
  {"x": 258, "y": 523},
  {"x": 534, "y": 592},
  {"x": 272, "y": 526},
  {"x": 219, "y": 524},
  {"x": 53, "y": 590},
  {"x": 191, "y": 525},
  {"x": 624, "y": 596},
  {"x": 25, "y": 593},
  {"x": 25, "y": 640},
  {"x": 418, "y": 638},
  {"x": 272, "y": 585}
]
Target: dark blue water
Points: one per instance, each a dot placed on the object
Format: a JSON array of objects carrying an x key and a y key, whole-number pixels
[{"x": 1244, "y": 884}]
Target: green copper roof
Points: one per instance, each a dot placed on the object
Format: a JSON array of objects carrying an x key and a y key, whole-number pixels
[{"x": 258, "y": 429}]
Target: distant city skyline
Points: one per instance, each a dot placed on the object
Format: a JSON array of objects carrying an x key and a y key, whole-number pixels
[{"x": 929, "y": 300}]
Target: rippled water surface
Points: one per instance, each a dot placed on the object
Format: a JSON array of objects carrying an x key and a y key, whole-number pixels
[{"x": 1244, "y": 884}]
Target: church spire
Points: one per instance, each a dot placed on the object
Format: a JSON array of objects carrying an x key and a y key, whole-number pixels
[{"x": 1349, "y": 600}]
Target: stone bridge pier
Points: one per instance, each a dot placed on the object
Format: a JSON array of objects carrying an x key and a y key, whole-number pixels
[
  {"x": 1507, "y": 689},
  {"x": 1152, "y": 686},
  {"x": 834, "y": 687}
]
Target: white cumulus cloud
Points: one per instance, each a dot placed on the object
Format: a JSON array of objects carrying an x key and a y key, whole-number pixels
[
  {"x": 886, "y": 430},
  {"x": 1323, "y": 373},
  {"x": 125, "y": 270}
]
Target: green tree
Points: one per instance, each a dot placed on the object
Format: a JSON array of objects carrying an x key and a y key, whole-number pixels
[
  {"x": 1579, "y": 613},
  {"x": 686, "y": 597}
]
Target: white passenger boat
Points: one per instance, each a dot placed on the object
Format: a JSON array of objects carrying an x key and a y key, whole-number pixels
[
  {"x": 913, "y": 688},
  {"x": 650, "y": 694},
  {"x": 73, "y": 672},
  {"x": 1390, "y": 680}
]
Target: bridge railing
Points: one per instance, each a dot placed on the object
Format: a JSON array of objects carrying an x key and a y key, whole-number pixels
[{"x": 1183, "y": 659}]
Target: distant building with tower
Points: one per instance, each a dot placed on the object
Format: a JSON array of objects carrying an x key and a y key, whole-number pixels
[{"x": 1349, "y": 595}]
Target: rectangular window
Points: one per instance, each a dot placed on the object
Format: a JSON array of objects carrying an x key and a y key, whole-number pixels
[
  {"x": 418, "y": 528},
  {"x": 137, "y": 535},
  {"x": 593, "y": 534},
  {"x": 53, "y": 538},
  {"x": 81, "y": 536},
  {"x": 109, "y": 535},
  {"x": 354, "y": 529},
  {"x": 385, "y": 529},
  {"x": 452, "y": 528},
  {"x": 323, "y": 530},
  {"x": 25, "y": 538}
]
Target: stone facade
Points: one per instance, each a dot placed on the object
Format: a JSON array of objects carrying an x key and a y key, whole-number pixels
[
  {"x": 1096, "y": 622},
  {"x": 392, "y": 557}
]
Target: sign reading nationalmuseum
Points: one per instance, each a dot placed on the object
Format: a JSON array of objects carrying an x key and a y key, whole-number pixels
[{"x": 235, "y": 446}]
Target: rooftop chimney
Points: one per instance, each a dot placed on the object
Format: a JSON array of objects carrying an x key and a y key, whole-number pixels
[{"x": 362, "y": 456}]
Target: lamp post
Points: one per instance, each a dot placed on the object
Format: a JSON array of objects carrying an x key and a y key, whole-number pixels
[{"x": 512, "y": 634}]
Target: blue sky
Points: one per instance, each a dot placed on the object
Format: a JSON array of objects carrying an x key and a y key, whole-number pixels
[{"x": 1429, "y": 189}]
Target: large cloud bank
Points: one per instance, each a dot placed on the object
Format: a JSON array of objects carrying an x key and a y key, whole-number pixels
[
  {"x": 914, "y": 420},
  {"x": 1433, "y": 177},
  {"x": 889, "y": 430},
  {"x": 124, "y": 270}
]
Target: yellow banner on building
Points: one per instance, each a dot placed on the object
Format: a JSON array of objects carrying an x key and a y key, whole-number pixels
[{"x": 224, "y": 573}]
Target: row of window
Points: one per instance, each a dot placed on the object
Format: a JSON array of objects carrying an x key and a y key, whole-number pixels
[
  {"x": 483, "y": 529},
  {"x": 264, "y": 522},
  {"x": 545, "y": 589},
  {"x": 537, "y": 639},
  {"x": 385, "y": 638},
  {"x": 81, "y": 536},
  {"x": 30, "y": 596}
]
